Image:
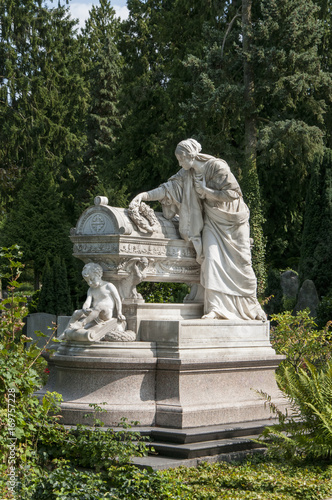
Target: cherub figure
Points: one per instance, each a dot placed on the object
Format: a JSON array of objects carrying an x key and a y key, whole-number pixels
[{"x": 99, "y": 305}]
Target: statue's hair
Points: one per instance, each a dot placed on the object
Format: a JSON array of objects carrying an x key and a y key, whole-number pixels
[
  {"x": 92, "y": 267},
  {"x": 189, "y": 146}
]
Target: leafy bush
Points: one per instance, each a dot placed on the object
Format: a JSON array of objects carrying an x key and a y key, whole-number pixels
[
  {"x": 298, "y": 338},
  {"x": 163, "y": 292},
  {"x": 23, "y": 418},
  {"x": 63, "y": 482},
  {"x": 307, "y": 429},
  {"x": 131, "y": 484},
  {"x": 30, "y": 432},
  {"x": 95, "y": 447},
  {"x": 324, "y": 311}
]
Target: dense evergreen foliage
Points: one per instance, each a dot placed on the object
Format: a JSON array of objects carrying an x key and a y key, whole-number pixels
[
  {"x": 316, "y": 249},
  {"x": 100, "y": 111}
]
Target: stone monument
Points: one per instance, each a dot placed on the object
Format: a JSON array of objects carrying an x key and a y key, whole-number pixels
[{"x": 171, "y": 365}]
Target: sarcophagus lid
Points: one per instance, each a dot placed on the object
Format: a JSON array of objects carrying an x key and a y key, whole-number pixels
[{"x": 116, "y": 238}]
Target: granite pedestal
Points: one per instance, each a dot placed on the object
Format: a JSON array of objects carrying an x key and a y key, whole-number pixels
[{"x": 182, "y": 373}]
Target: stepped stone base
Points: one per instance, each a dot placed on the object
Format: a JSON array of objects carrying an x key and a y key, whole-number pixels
[{"x": 183, "y": 373}]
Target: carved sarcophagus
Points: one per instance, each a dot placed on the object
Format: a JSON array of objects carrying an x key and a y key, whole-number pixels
[{"x": 133, "y": 247}]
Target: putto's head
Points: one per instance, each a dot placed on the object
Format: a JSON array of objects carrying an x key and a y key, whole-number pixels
[{"x": 92, "y": 270}]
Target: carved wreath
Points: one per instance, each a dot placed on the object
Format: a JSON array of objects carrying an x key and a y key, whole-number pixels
[{"x": 144, "y": 217}]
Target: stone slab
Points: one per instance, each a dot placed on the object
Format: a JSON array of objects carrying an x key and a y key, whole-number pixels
[
  {"x": 158, "y": 462},
  {"x": 210, "y": 339},
  {"x": 40, "y": 322}
]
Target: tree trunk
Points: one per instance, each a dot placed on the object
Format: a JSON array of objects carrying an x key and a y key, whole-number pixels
[
  {"x": 249, "y": 87},
  {"x": 251, "y": 182},
  {"x": 36, "y": 279}
]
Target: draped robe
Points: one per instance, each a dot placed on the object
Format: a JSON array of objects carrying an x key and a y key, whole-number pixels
[{"x": 219, "y": 231}]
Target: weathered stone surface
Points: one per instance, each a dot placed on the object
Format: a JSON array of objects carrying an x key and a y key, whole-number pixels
[
  {"x": 40, "y": 322},
  {"x": 289, "y": 282},
  {"x": 307, "y": 297},
  {"x": 213, "y": 216}
]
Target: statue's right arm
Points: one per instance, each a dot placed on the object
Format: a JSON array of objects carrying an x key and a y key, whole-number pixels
[
  {"x": 154, "y": 195},
  {"x": 87, "y": 303}
]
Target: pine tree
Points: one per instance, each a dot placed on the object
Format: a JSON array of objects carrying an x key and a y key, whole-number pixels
[
  {"x": 316, "y": 249},
  {"x": 63, "y": 305},
  {"x": 37, "y": 222},
  {"x": 43, "y": 93},
  {"x": 154, "y": 40},
  {"x": 291, "y": 108},
  {"x": 103, "y": 72},
  {"x": 260, "y": 89},
  {"x": 47, "y": 298}
]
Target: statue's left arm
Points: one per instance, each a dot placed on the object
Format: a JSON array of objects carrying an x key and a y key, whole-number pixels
[{"x": 218, "y": 183}]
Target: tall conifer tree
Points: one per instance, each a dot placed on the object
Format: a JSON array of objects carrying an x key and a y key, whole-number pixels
[
  {"x": 281, "y": 119},
  {"x": 43, "y": 93},
  {"x": 104, "y": 71},
  {"x": 37, "y": 221},
  {"x": 316, "y": 249}
]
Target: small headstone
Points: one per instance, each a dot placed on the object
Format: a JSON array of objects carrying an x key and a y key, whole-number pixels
[
  {"x": 289, "y": 282},
  {"x": 308, "y": 297}
]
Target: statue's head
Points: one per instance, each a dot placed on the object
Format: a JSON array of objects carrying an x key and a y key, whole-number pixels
[
  {"x": 186, "y": 152},
  {"x": 189, "y": 147},
  {"x": 92, "y": 270}
]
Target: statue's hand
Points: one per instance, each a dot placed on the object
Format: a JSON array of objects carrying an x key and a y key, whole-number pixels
[
  {"x": 200, "y": 187},
  {"x": 137, "y": 200},
  {"x": 121, "y": 317}
]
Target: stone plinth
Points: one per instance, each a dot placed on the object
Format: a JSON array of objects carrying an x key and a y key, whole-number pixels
[
  {"x": 208, "y": 371},
  {"x": 120, "y": 374},
  {"x": 182, "y": 373}
]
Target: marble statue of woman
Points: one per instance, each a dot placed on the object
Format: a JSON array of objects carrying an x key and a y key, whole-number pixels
[{"x": 214, "y": 217}]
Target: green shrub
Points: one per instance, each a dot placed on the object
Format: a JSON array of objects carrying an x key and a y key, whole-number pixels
[
  {"x": 324, "y": 311},
  {"x": 95, "y": 447},
  {"x": 63, "y": 483},
  {"x": 163, "y": 292},
  {"x": 30, "y": 432},
  {"x": 132, "y": 484},
  {"x": 297, "y": 337},
  {"x": 256, "y": 479},
  {"x": 23, "y": 418}
]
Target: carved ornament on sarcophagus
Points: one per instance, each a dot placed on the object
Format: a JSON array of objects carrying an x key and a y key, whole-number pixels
[{"x": 133, "y": 247}]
